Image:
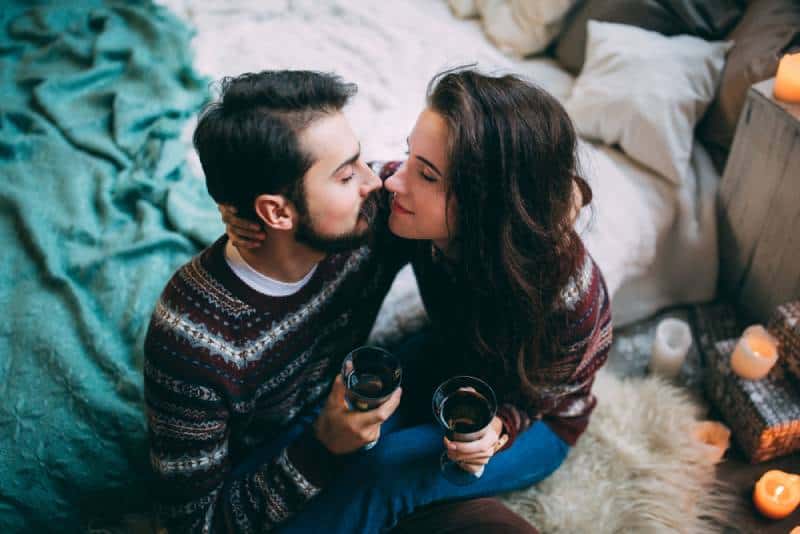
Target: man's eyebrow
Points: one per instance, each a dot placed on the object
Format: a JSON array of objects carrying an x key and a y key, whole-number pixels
[
  {"x": 425, "y": 161},
  {"x": 350, "y": 160}
]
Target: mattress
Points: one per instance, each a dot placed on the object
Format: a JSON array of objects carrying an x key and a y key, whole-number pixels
[{"x": 655, "y": 242}]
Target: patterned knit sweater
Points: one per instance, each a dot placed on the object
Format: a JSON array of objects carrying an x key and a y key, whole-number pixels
[{"x": 227, "y": 369}]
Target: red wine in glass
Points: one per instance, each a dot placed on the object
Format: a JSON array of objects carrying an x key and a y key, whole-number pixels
[
  {"x": 370, "y": 376},
  {"x": 464, "y": 406}
]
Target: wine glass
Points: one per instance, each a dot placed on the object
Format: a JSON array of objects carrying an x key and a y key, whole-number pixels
[
  {"x": 370, "y": 376},
  {"x": 464, "y": 406}
]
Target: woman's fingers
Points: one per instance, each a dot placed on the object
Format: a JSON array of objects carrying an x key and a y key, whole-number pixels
[
  {"x": 243, "y": 224},
  {"x": 229, "y": 217},
  {"x": 244, "y": 243},
  {"x": 486, "y": 442},
  {"x": 483, "y": 457},
  {"x": 245, "y": 232}
]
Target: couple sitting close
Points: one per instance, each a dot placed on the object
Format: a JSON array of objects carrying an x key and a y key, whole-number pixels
[{"x": 249, "y": 426}]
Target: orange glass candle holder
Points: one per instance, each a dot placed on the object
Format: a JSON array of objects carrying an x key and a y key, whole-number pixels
[
  {"x": 777, "y": 494},
  {"x": 787, "y": 79},
  {"x": 714, "y": 437},
  {"x": 755, "y": 353}
]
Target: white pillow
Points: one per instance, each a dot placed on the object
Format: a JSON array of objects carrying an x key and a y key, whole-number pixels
[
  {"x": 645, "y": 92},
  {"x": 523, "y": 27}
]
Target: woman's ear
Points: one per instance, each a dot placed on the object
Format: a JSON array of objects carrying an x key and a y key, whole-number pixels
[{"x": 275, "y": 211}]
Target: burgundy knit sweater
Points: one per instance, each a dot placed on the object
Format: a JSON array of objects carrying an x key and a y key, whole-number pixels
[
  {"x": 563, "y": 397},
  {"x": 564, "y": 400}
]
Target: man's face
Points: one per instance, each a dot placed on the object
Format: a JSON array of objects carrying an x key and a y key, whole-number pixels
[{"x": 337, "y": 207}]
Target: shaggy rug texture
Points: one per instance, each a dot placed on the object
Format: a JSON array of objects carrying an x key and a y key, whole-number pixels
[{"x": 636, "y": 469}]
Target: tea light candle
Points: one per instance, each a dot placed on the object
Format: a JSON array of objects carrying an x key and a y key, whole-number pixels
[
  {"x": 777, "y": 494},
  {"x": 787, "y": 80},
  {"x": 755, "y": 353},
  {"x": 715, "y": 438},
  {"x": 672, "y": 342}
]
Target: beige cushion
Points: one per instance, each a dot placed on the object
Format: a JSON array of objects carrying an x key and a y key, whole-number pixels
[
  {"x": 523, "y": 27},
  {"x": 645, "y": 92},
  {"x": 464, "y": 9}
]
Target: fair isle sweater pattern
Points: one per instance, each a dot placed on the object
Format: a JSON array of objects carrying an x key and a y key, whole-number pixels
[{"x": 227, "y": 369}]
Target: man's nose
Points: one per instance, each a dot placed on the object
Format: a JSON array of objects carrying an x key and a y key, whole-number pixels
[{"x": 371, "y": 181}]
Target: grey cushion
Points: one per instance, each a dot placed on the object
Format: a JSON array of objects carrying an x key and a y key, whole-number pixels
[
  {"x": 768, "y": 29},
  {"x": 709, "y": 19}
]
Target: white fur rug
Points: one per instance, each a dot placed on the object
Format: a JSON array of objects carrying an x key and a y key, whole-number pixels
[{"x": 636, "y": 469}]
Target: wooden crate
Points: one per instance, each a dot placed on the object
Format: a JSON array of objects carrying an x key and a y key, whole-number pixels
[{"x": 759, "y": 207}]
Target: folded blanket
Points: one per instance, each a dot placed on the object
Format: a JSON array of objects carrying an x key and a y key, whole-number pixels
[{"x": 96, "y": 212}]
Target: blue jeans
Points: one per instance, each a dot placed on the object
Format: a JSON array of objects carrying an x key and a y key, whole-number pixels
[{"x": 401, "y": 473}]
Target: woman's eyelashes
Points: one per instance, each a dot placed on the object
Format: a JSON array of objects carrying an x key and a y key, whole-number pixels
[{"x": 426, "y": 174}]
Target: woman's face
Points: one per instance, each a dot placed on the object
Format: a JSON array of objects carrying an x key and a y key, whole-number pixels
[{"x": 420, "y": 190}]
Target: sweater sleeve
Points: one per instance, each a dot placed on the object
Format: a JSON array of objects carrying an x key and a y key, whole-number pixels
[
  {"x": 563, "y": 397},
  {"x": 196, "y": 488}
]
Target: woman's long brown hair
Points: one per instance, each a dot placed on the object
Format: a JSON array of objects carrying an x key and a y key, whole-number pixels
[{"x": 512, "y": 155}]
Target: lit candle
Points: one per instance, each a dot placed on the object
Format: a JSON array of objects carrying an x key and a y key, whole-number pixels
[
  {"x": 777, "y": 494},
  {"x": 714, "y": 437},
  {"x": 672, "y": 342},
  {"x": 787, "y": 80},
  {"x": 755, "y": 353}
]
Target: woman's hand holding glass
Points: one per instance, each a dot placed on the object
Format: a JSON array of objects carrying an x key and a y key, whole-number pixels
[{"x": 472, "y": 456}]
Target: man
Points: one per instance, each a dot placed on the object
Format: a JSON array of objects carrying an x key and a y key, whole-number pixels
[
  {"x": 242, "y": 346},
  {"x": 245, "y": 426}
]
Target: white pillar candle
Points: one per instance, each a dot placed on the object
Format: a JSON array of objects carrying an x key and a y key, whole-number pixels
[
  {"x": 755, "y": 353},
  {"x": 670, "y": 346}
]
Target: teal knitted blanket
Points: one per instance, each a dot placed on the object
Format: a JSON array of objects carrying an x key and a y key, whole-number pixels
[{"x": 97, "y": 210}]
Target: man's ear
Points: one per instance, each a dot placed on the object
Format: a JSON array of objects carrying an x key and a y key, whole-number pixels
[{"x": 275, "y": 211}]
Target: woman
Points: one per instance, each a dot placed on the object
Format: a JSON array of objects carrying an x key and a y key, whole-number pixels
[{"x": 487, "y": 192}]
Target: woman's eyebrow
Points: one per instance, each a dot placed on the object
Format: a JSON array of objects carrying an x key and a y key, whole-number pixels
[{"x": 425, "y": 161}]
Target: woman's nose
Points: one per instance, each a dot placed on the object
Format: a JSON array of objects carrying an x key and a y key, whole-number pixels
[{"x": 396, "y": 182}]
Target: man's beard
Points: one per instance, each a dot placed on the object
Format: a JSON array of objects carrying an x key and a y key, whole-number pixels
[{"x": 307, "y": 234}]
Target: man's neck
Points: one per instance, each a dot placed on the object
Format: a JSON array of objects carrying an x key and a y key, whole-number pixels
[{"x": 282, "y": 258}]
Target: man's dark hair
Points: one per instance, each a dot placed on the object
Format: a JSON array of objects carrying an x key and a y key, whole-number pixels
[{"x": 248, "y": 140}]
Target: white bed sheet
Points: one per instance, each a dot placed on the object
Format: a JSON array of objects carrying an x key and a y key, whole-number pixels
[{"x": 655, "y": 242}]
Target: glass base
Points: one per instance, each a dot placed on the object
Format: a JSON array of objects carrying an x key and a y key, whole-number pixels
[
  {"x": 369, "y": 445},
  {"x": 453, "y": 473}
]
